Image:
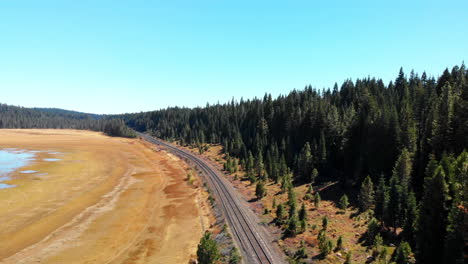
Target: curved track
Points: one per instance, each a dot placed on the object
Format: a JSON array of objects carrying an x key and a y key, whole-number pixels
[{"x": 256, "y": 245}]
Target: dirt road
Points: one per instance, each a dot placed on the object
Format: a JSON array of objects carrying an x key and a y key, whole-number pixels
[{"x": 107, "y": 200}]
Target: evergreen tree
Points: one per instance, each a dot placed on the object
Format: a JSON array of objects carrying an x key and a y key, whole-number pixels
[
  {"x": 454, "y": 240},
  {"x": 260, "y": 190},
  {"x": 432, "y": 218},
  {"x": 344, "y": 203},
  {"x": 323, "y": 149},
  {"x": 381, "y": 200},
  {"x": 293, "y": 225},
  {"x": 324, "y": 223},
  {"x": 301, "y": 252},
  {"x": 316, "y": 199},
  {"x": 280, "y": 213},
  {"x": 260, "y": 167},
  {"x": 402, "y": 253},
  {"x": 372, "y": 230},
  {"x": 250, "y": 162},
  {"x": 292, "y": 202},
  {"x": 313, "y": 175},
  {"x": 302, "y": 213},
  {"x": 395, "y": 203},
  {"x": 207, "y": 252},
  {"x": 339, "y": 243},
  {"x": 304, "y": 163},
  {"x": 366, "y": 194},
  {"x": 411, "y": 213}
]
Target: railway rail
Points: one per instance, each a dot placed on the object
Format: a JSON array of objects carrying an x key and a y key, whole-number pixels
[{"x": 255, "y": 243}]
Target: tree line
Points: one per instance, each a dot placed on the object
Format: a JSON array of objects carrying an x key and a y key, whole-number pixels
[
  {"x": 21, "y": 117},
  {"x": 399, "y": 145}
]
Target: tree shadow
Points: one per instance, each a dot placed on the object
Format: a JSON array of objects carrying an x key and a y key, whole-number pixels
[
  {"x": 255, "y": 199},
  {"x": 355, "y": 214}
]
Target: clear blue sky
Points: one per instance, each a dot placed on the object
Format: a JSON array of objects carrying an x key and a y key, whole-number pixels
[{"x": 111, "y": 56}]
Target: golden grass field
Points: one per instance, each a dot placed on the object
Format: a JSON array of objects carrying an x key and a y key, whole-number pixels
[{"x": 108, "y": 200}]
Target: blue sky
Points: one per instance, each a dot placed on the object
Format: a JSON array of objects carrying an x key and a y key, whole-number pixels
[{"x": 111, "y": 56}]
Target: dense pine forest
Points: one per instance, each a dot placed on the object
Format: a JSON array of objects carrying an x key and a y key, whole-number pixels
[
  {"x": 400, "y": 147},
  {"x": 21, "y": 117}
]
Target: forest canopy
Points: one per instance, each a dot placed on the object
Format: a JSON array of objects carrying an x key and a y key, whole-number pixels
[
  {"x": 21, "y": 117},
  {"x": 400, "y": 146}
]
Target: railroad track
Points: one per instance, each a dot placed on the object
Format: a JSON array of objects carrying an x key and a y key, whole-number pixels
[{"x": 255, "y": 244}]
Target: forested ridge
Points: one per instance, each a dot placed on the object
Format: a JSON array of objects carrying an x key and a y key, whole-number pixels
[
  {"x": 21, "y": 117},
  {"x": 398, "y": 146}
]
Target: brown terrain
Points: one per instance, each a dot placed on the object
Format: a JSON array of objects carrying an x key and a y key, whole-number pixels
[{"x": 107, "y": 200}]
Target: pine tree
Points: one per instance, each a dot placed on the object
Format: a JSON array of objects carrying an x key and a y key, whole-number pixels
[
  {"x": 344, "y": 203},
  {"x": 292, "y": 202},
  {"x": 293, "y": 225},
  {"x": 301, "y": 252},
  {"x": 372, "y": 230},
  {"x": 402, "y": 253},
  {"x": 402, "y": 169},
  {"x": 304, "y": 163},
  {"x": 260, "y": 167},
  {"x": 432, "y": 217},
  {"x": 303, "y": 225},
  {"x": 446, "y": 116},
  {"x": 316, "y": 199},
  {"x": 302, "y": 213},
  {"x": 411, "y": 213},
  {"x": 395, "y": 203},
  {"x": 326, "y": 247},
  {"x": 366, "y": 195},
  {"x": 260, "y": 190},
  {"x": 207, "y": 252},
  {"x": 339, "y": 243},
  {"x": 454, "y": 240},
  {"x": 324, "y": 223},
  {"x": 250, "y": 162},
  {"x": 381, "y": 200},
  {"x": 323, "y": 149},
  {"x": 313, "y": 176},
  {"x": 279, "y": 213}
]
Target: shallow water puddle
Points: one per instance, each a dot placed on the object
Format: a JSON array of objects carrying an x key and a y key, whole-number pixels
[
  {"x": 4, "y": 186},
  {"x": 28, "y": 171},
  {"x": 10, "y": 160},
  {"x": 50, "y": 159}
]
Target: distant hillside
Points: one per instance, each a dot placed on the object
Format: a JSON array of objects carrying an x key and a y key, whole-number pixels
[
  {"x": 21, "y": 117},
  {"x": 68, "y": 113}
]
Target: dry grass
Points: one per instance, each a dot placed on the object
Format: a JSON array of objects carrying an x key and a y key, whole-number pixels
[{"x": 109, "y": 200}]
